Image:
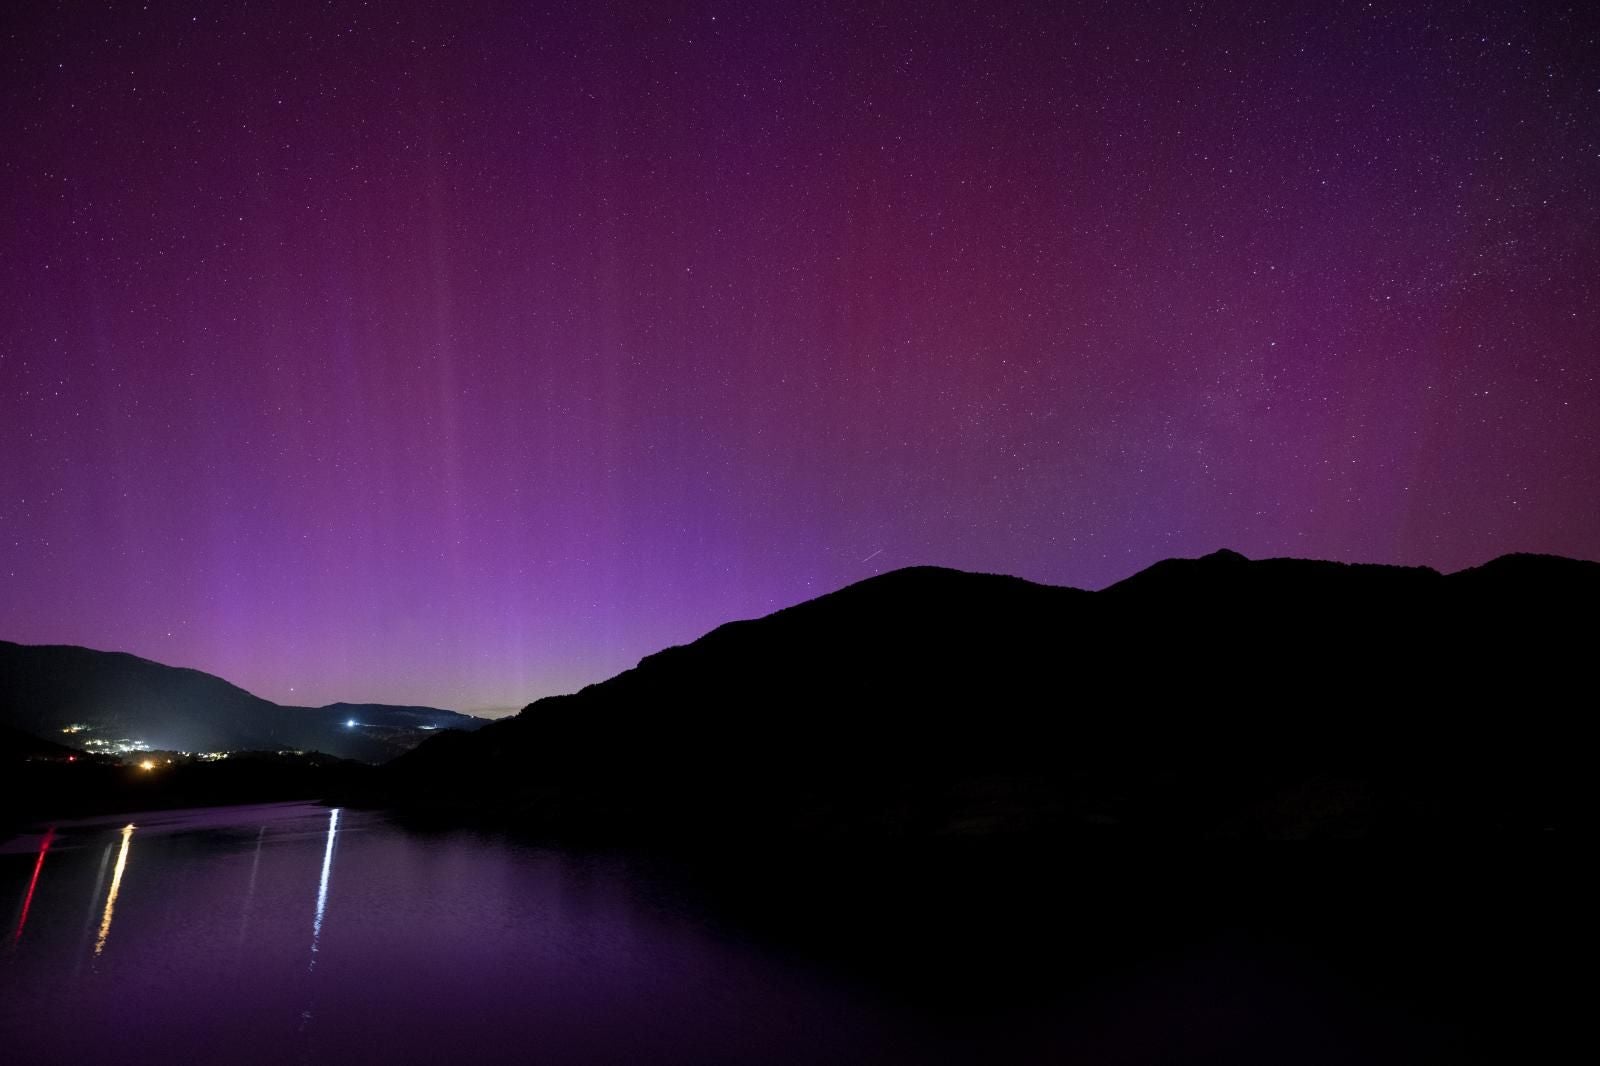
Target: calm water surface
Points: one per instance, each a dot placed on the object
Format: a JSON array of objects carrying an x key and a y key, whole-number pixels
[
  {"x": 295, "y": 933},
  {"x": 298, "y": 933}
]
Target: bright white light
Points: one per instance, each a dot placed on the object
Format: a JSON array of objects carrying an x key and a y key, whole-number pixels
[
  {"x": 349, "y": 723},
  {"x": 322, "y": 888}
]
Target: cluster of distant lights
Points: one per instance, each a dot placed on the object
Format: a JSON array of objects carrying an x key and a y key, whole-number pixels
[
  {"x": 100, "y": 746},
  {"x": 351, "y": 723},
  {"x": 198, "y": 756},
  {"x": 126, "y": 746}
]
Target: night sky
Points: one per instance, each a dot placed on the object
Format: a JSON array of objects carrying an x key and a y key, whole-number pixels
[{"x": 463, "y": 353}]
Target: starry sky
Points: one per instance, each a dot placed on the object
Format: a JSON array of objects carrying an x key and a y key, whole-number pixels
[{"x": 465, "y": 353}]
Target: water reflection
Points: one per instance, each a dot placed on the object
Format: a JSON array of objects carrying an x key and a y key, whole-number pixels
[
  {"x": 27, "y": 901},
  {"x": 322, "y": 888},
  {"x": 116, "y": 886},
  {"x": 88, "y": 913},
  {"x": 250, "y": 888},
  {"x": 457, "y": 946}
]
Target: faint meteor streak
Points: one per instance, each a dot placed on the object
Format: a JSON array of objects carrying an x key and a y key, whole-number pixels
[{"x": 873, "y": 556}]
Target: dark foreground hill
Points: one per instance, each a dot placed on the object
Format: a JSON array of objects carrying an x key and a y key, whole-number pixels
[
  {"x": 1198, "y": 698},
  {"x": 37, "y": 788},
  {"x": 45, "y": 689}
]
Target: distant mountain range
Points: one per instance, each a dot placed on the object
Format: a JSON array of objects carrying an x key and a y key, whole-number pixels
[
  {"x": 1200, "y": 698},
  {"x": 112, "y": 697}
]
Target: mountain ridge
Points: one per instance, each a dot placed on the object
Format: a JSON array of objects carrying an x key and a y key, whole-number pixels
[
  {"x": 1188, "y": 699},
  {"x": 48, "y": 688}
]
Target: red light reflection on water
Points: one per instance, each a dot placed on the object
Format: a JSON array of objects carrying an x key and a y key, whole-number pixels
[{"x": 27, "y": 901}]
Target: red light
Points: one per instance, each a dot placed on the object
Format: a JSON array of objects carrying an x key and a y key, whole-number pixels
[{"x": 27, "y": 901}]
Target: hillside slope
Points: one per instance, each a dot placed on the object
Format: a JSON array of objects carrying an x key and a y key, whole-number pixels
[
  {"x": 47, "y": 688},
  {"x": 1217, "y": 696}
]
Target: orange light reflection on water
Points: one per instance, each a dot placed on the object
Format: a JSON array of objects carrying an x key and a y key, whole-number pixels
[{"x": 116, "y": 886}]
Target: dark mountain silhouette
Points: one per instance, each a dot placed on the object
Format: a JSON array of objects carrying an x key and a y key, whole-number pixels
[
  {"x": 41, "y": 782},
  {"x": 1198, "y": 698},
  {"x": 45, "y": 689}
]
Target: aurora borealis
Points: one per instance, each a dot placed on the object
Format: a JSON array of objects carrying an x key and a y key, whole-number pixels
[{"x": 462, "y": 354}]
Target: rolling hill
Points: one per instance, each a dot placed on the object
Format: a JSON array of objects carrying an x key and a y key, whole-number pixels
[
  {"x": 46, "y": 689},
  {"x": 1213, "y": 697}
]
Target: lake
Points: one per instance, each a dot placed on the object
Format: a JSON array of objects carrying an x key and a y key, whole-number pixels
[{"x": 296, "y": 933}]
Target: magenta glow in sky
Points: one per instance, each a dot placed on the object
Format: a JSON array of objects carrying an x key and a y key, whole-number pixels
[{"x": 464, "y": 353}]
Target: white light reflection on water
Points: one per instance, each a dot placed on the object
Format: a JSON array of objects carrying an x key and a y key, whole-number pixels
[
  {"x": 322, "y": 888},
  {"x": 116, "y": 886},
  {"x": 88, "y": 914},
  {"x": 250, "y": 888}
]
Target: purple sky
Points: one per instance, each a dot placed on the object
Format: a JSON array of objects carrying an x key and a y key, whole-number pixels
[{"x": 464, "y": 353}]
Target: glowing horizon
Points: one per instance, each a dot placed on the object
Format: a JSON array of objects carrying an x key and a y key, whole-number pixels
[{"x": 410, "y": 368}]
